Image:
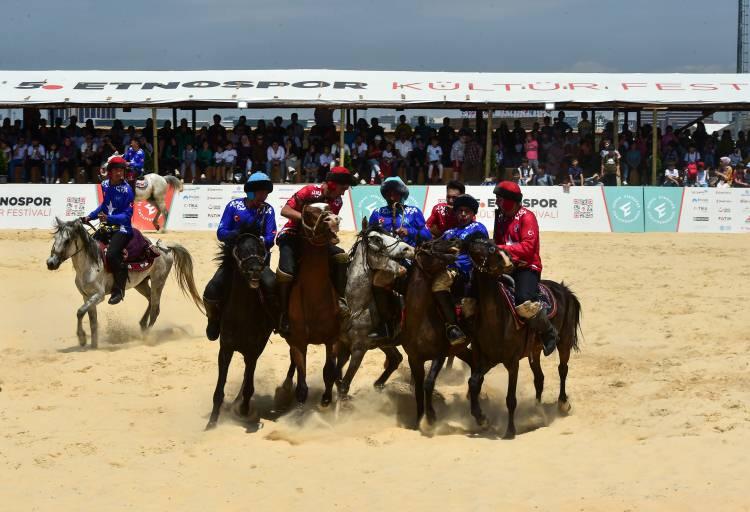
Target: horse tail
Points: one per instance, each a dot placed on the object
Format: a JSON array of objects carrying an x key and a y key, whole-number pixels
[
  {"x": 572, "y": 316},
  {"x": 175, "y": 182},
  {"x": 183, "y": 263}
]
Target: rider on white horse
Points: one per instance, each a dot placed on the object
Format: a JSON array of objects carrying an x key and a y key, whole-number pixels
[
  {"x": 115, "y": 213},
  {"x": 240, "y": 213},
  {"x": 135, "y": 158}
]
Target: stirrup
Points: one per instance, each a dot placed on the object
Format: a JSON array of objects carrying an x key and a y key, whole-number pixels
[{"x": 458, "y": 338}]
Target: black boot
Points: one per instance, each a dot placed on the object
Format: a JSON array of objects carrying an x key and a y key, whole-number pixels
[
  {"x": 213, "y": 312},
  {"x": 283, "y": 287},
  {"x": 382, "y": 299},
  {"x": 118, "y": 289},
  {"x": 547, "y": 332},
  {"x": 339, "y": 283},
  {"x": 448, "y": 312}
]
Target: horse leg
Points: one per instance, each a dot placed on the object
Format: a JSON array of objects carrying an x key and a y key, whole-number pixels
[
  {"x": 225, "y": 357},
  {"x": 155, "y": 222},
  {"x": 162, "y": 212},
  {"x": 449, "y": 363},
  {"x": 155, "y": 301},
  {"x": 417, "y": 373},
  {"x": 429, "y": 387},
  {"x": 94, "y": 325},
  {"x": 536, "y": 368},
  {"x": 144, "y": 289},
  {"x": 357, "y": 354},
  {"x": 510, "y": 399},
  {"x": 248, "y": 386},
  {"x": 563, "y": 405},
  {"x": 393, "y": 360},
  {"x": 300, "y": 355},
  {"x": 92, "y": 301},
  {"x": 475, "y": 388},
  {"x": 329, "y": 376},
  {"x": 342, "y": 358},
  {"x": 289, "y": 381}
]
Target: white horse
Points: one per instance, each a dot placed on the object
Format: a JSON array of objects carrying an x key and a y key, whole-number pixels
[
  {"x": 373, "y": 251},
  {"x": 155, "y": 193},
  {"x": 73, "y": 241}
]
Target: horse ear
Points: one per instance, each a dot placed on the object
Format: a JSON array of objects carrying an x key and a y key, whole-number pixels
[{"x": 364, "y": 223}]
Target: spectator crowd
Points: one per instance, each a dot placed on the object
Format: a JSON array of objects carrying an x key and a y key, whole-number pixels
[{"x": 550, "y": 153}]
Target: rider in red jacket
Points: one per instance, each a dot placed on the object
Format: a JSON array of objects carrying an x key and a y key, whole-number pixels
[{"x": 517, "y": 232}]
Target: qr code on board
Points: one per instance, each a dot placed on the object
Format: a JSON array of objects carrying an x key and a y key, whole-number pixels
[
  {"x": 583, "y": 208},
  {"x": 75, "y": 206}
]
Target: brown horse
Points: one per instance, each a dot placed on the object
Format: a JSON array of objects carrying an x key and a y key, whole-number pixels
[
  {"x": 500, "y": 340},
  {"x": 313, "y": 304},
  {"x": 423, "y": 333}
]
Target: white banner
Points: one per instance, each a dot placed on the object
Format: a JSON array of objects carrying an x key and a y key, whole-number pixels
[
  {"x": 36, "y": 206},
  {"x": 580, "y": 209},
  {"x": 715, "y": 210},
  {"x": 325, "y": 86}
]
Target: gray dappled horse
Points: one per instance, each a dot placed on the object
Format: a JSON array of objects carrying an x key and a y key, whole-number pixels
[
  {"x": 155, "y": 194},
  {"x": 73, "y": 241},
  {"x": 373, "y": 251}
]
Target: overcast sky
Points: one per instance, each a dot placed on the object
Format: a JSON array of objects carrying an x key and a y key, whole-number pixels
[{"x": 436, "y": 35}]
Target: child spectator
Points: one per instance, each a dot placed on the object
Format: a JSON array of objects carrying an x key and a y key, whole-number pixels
[
  {"x": 434, "y": 159},
  {"x": 701, "y": 179},
  {"x": 311, "y": 164},
  {"x": 189, "y": 159},
  {"x": 531, "y": 148},
  {"x": 575, "y": 173},
  {"x": 525, "y": 172},
  {"x": 671, "y": 176},
  {"x": 387, "y": 161},
  {"x": 230, "y": 162},
  {"x": 326, "y": 160},
  {"x": 50, "y": 164}
]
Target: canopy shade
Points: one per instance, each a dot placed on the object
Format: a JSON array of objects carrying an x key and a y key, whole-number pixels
[{"x": 362, "y": 89}]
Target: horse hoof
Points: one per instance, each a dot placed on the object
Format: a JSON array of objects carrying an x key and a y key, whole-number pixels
[
  {"x": 210, "y": 425},
  {"x": 82, "y": 340},
  {"x": 94, "y": 345},
  {"x": 379, "y": 386},
  {"x": 564, "y": 407},
  {"x": 509, "y": 435},
  {"x": 325, "y": 401}
]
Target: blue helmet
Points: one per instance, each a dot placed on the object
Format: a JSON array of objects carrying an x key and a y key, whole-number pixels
[
  {"x": 394, "y": 183},
  {"x": 257, "y": 181}
]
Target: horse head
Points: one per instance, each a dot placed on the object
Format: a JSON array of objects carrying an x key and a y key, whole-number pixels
[
  {"x": 488, "y": 257},
  {"x": 70, "y": 238},
  {"x": 383, "y": 248},
  {"x": 249, "y": 254},
  {"x": 434, "y": 256},
  {"x": 320, "y": 224}
]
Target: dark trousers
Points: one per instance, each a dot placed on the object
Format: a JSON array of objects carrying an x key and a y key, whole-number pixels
[
  {"x": 527, "y": 285},
  {"x": 117, "y": 243},
  {"x": 289, "y": 251}
]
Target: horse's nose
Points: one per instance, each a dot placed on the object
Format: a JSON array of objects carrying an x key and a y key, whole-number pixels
[{"x": 51, "y": 263}]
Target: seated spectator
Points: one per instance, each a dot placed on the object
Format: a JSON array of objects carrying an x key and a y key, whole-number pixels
[
  {"x": 170, "y": 156},
  {"x": 575, "y": 173},
  {"x": 374, "y": 154},
  {"x": 189, "y": 163},
  {"x": 90, "y": 160},
  {"x": 205, "y": 159},
  {"x": 403, "y": 148},
  {"x": 310, "y": 164},
  {"x": 691, "y": 174},
  {"x": 419, "y": 162},
  {"x": 18, "y": 159},
  {"x": 541, "y": 178},
  {"x": 735, "y": 159},
  {"x": 701, "y": 179},
  {"x": 35, "y": 154},
  {"x": 245, "y": 153},
  {"x": 434, "y": 161},
  {"x": 276, "y": 157},
  {"x": 742, "y": 177},
  {"x": 292, "y": 166},
  {"x": 387, "y": 161},
  {"x": 68, "y": 160},
  {"x": 50, "y": 164},
  {"x": 230, "y": 165},
  {"x": 725, "y": 174},
  {"x": 525, "y": 172},
  {"x": 457, "y": 156},
  {"x": 217, "y": 175},
  {"x": 516, "y": 178},
  {"x": 259, "y": 153},
  {"x": 672, "y": 176},
  {"x": 359, "y": 154},
  {"x": 326, "y": 162}
]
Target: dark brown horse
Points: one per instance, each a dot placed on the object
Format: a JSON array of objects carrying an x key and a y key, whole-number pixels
[
  {"x": 313, "y": 304},
  {"x": 499, "y": 340},
  {"x": 423, "y": 334},
  {"x": 245, "y": 321}
]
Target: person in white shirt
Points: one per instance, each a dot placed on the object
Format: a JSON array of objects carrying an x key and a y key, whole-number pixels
[
  {"x": 216, "y": 174},
  {"x": 671, "y": 176},
  {"x": 230, "y": 161},
  {"x": 525, "y": 172},
  {"x": 34, "y": 160},
  {"x": 18, "y": 157},
  {"x": 403, "y": 148},
  {"x": 276, "y": 155},
  {"x": 326, "y": 160},
  {"x": 701, "y": 179},
  {"x": 434, "y": 159},
  {"x": 457, "y": 156}
]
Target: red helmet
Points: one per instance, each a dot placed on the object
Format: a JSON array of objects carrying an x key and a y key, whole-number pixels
[
  {"x": 339, "y": 176},
  {"x": 115, "y": 162},
  {"x": 508, "y": 190}
]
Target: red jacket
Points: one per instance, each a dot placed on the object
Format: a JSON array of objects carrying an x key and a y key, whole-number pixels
[
  {"x": 520, "y": 237},
  {"x": 442, "y": 218},
  {"x": 308, "y": 195}
]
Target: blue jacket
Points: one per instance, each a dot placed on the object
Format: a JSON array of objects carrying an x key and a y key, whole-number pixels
[
  {"x": 410, "y": 217},
  {"x": 135, "y": 158},
  {"x": 236, "y": 214},
  {"x": 463, "y": 262},
  {"x": 118, "y": 205}
]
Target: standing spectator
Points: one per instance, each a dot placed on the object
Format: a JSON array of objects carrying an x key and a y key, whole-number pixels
[
  {"x": 276, "y": 157},
  {"x": 692, "y": 156},
  {"x": 326, "y": 160},
  {"x": 422, "y": 130},
  {"x": 108, "y": 148},
  {"x": 375, "y": 130},
  {"x": 296, "y": 131},
  {"x": 457, "y": 156},
  {"x": 311, "y": 164},
  {"x": 672, "y": 176},
  {"x": 259, "y": 153},
  {"x": 585, "y": 128},
  {"x": 446, "y": 135},
  {"x": 531, "y": 147},
  {"x": 35, "y": 154},
  {"x": 632, "y": 162},
  {"x": 189, "y": 163},
  {"x": 435, "y": 161},
  {"x": 735, "y": 158},
  {"x": 5, "y": 157},
  {"x": 217, "y": 134},
  {"x": 50, "y": 164},
  {"x": 205, "y": 159},
  {"x": 18, "y": 158},
  {"x": 184, "y": 135},
  {"x": 245, "y": 154},
  {"x": 68, "y": 160},
  {"x": 170, "y": 156},
  {"x": 403, "y": 148},
  {"x": 403, "y": 131},
  {"x": 277, "y": 132},
  {"x": 419, "y": 160},
  {"x": 472, "y": 166},
  {"x": 541, "y": 178},
  {"x": 374, "y": 154}
]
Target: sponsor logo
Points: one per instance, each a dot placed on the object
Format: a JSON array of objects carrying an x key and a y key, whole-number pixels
[
  {"x": 189, "y": 215},
  {"x": 25, "y": 201},
  {"x": 700, "y": 200},
  {"x": 214, "y": 207},
  {"x": 724, "y": 218},
  {"x": 198, "y": 84},
  {"x": 532, "y": 203},
  {"x": 626, "y": 208},
  {"x": 700, "y": 219},
  {"x": 661, "y": 209}
]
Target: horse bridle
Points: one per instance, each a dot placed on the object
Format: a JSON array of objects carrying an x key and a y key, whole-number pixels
[
  {"x": 260, "y": 258},
  {"x": 313, "y": 238}
]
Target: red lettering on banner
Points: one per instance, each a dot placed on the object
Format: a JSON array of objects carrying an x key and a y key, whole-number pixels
[
  {"x": 632, "y": 85},
  {"x": 736, "y": 87},
  {"x": 397, "y": 85},
  {"x": 583, "y": 85},
  {"x": 533, "y": 88},
  {"x": 703, "y": 87},
  {"x": 443, "y": 86},
  {"x": 472, "y": 87},
  {"x": 507, "y": 86},
  {"x": 669, "y": 87}
]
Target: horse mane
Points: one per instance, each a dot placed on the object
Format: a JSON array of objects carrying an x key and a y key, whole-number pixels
[
  {"x": 372, "y": 228},
  {"x": 224, "y": 255},
  {"x": 77, "y": 229}
]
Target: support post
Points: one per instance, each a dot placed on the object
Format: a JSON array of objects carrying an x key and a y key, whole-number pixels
[
  {"x": 616, "y": 137},
  {"x": 638, "y": 121},
  {"x": 488, "y": 153},
  {"x": 341, "y": 137},
  {"x": 155, "y": 141},
  {"x": 654, "y": 148},
  {"x": 174, "y": 119},
  {"x": 193, "y": 120}
]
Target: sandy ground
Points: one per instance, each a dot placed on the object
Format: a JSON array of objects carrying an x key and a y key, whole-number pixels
[{"x": 660, "y": 417}]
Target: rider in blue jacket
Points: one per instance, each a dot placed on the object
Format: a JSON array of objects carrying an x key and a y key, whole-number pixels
[
  {"x": 407, "y": 223},
  {"x": 238, "y": 214},
  {"x": 115, "y": 214}
]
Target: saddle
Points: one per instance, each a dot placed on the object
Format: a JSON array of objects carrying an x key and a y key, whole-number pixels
[
  {"x": 142, "y": 183},
  {"x": 544, "y": 295},
  {"x": 139, "y": 254}
]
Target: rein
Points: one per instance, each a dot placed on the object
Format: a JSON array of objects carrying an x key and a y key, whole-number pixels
[
  {"x": 260, "y": 258},
  {"x": 313, "y": 238}
]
